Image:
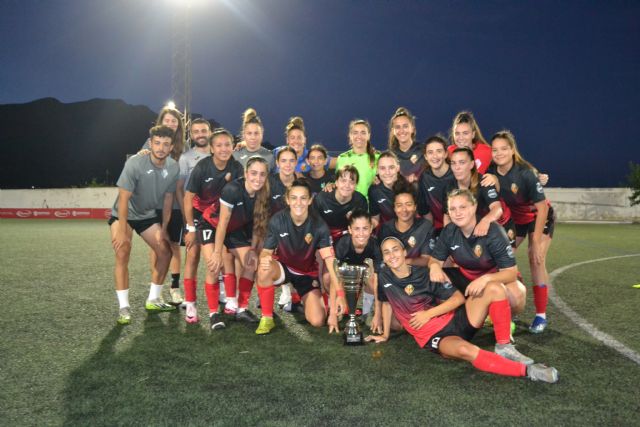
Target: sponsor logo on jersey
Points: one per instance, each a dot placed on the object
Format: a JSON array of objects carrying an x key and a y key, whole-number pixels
[
  {"x": 447, "y": 285},
  {"x": 348, "y": 215},
  {"x": 284, "y": 234},
  {"x": 150, "y": 171},
  {"x": 244, "y": 156},
  {"x": 387, "y": 285},
  {"x": 327, "y": 211},
  {"x": 493, "y": 194},
  {"x": 239, "y": 203},
  {"x": 308, "y": 238},
  {"x": 539, "y": 187},
  {"x": 412, "y": 241},
  {"x": 454, "y": 247},
  {"x": 276, "y": 196},
  {"x": 414, "y": 158},
  {"x": 208, "y": 179},
  {"x": 381, "y": 200},
  {"x": 477, "y": 251},
  {"x": 510, "y": 251},
  {"x": 408, "y": 289},
  {"x": 432, "y": 243},
  {"x": 514, "y": 188},
  {"x": 431, "y": 188}
]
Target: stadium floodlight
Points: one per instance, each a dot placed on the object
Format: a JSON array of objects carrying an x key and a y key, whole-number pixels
[
  {"x": 181, "y": 57},
  {"x": 171, "y": 104}
]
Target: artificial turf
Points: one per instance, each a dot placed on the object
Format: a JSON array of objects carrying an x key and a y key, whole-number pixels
[{"x": 65, "y": 362}]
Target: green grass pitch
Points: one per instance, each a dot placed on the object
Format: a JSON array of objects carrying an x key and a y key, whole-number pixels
[{"x": 63, "y": 360}]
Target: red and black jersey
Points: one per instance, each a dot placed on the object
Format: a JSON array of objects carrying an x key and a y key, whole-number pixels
[
  {"x": 295, "y": 245},
  {"x": 414, "y": 293},
  {"x": 520, "y": 189},
  {"x": 278, "y": 193},
  {"x": 206, "y": 182},
  {"x": 485, "y": 196},
  {"x": 337, "y": 215},
  {"x": 432, "y": 195},
  {"x": 317, "y": 184},
  {"x": 235, "y": 197},
  {"x": 345, "y": 252},
  {"x": 476, "y": 256},
  {"x": 381, "y": 202},
  {"x": 418, "y": 240},
  {"x": 412, "y": 161}
]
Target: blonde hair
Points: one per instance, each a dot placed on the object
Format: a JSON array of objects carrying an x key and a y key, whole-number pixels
[
  {"x": 467, "y": 117},
  {"x": 250, "y": 116},
  {"x": 293, "y": 124}
]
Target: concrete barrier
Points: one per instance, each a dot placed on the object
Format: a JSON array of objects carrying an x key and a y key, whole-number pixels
[{"x": 570, "y": 204}]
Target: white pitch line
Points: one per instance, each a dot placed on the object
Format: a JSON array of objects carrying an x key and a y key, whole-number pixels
[{"x": 606, "y": 339}]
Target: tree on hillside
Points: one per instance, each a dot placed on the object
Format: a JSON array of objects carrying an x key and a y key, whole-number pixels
[{"x": 634, "y": 182}]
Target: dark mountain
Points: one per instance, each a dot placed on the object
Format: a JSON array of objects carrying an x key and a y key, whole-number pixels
[{"x": 50, "y": 144}]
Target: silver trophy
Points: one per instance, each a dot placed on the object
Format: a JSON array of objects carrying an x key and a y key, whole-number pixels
[{"x": 352, "y": 278}]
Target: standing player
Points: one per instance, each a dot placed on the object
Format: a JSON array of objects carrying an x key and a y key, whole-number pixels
[
  {"x": 435, "y": 180},
  {"x": 202, "y": 207},
  {"x": 335, "y": 207},
  {"x": 280, "y": 181},
  {"x": 296, "y": 138},
  {"x": 144, "y": 183},
  {"x": 289, "y": 255},
  {"x": 438, "y": 318},
  {"x": 490, "y": 207},
  {"x": 522, "y": 192},
  {"x": 415, "y": 233},
  {"x": 381, "y": 195},
  {"x": 481, "y": 258},
  {"x": 466, "y": 133},
  {"x": 200, "y": 131},
  {"x": 252, "y": 134},
  {"x": 242, "y": 223},
  {"x": 402, "y": 135},
  {"x": 318, "y": 176},
  {"x": 362, "y": 155}
]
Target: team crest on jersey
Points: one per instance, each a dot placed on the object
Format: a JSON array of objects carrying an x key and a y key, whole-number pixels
[
  {"x": 412, "y": 241},
  {"x": 303, "y": 167},
  {"x": 308, "y": 238},
  {"x": 165, "y": 173},
  {"x": 409, "y": 289},
  {"x": 477, "y": 250},
  {"x": 348, "y": 215},
  {"x": 492, "y": 194},
  {"x": 414, "y": 158},
  {"x": 227, "y": 177},
  {"x": 514, "y": 188}
]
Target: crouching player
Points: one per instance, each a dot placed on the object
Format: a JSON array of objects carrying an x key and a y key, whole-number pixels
[
  {"x": 289, "y": 256},
  {"x": 145, "y": 182},
  {"x": 436, "y": 315}
]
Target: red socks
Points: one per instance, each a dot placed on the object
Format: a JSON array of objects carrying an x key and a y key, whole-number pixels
[
  {"x": 495, "y": 364},
  {"x": 500, "y": 314},
  {"x": 540, "y": 298},
  {"x": 245, "y": 286},
  {"x": 229, "y": 285},
  {"x": 212, "y": 290},
  {"x": 190, "y": 290},
  {"x": 267, "y": 296}
]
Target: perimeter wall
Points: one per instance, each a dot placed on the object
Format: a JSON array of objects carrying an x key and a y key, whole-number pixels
[{"x": 570, "y": 204}]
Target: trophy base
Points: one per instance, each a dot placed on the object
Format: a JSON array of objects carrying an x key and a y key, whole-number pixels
[{"x": 357, "y": 339}]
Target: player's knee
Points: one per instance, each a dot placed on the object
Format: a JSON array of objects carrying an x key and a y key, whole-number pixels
[
  {"x": 466, "y": 351},
  {"x": 316, "y": 321},
  {"x": 495, "y": 289},
  {"x": 123, "y": 253}
]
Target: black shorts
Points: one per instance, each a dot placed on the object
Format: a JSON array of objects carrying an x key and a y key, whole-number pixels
[
  {"x": 175, "y": 227},
  {"x": 458, "y": 280},
  {"x": 138, "y": 225},
  {"x": 238, "y": 239},
  {"x": 523, "y": 229},
  {"x": 458, "y": 326},
  {"x": 301, "y": 283},
  {"x": 205, "y": 231}
]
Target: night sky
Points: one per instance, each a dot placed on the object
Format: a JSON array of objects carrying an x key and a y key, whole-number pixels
[{"x": 563, "y": 76}]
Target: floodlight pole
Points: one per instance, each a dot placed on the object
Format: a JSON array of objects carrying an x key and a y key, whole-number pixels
[{"x": 181, "y": 59}]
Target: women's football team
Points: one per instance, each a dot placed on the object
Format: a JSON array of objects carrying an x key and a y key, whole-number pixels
[{"x": 436, "y": 222}]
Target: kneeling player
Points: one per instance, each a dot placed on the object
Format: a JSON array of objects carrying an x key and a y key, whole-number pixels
[
  {"x": 289, "y": 255},
  {"x": 145, "y": 182},
  {"x": 436, "y": 315}
]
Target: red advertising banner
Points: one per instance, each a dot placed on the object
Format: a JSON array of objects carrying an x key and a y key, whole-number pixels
[{"x": 71, "y": 213}]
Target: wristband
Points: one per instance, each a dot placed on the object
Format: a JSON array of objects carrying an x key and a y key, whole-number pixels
[
  {"x": 340, "y": 293},
  {"x": 191, "y": 228}
]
